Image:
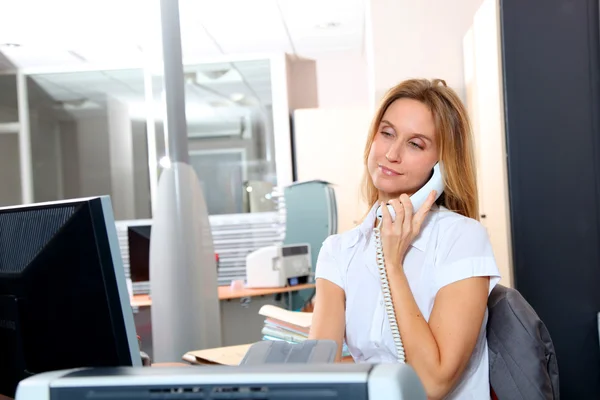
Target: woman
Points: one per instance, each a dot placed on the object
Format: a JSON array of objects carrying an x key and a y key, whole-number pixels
[{"x": 439, "y": 261}]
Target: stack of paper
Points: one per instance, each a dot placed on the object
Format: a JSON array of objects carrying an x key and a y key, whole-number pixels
[{"x": 289, "y": 326}]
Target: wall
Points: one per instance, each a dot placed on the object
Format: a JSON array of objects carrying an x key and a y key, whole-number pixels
[
  {"x": 329, "y": 146},
  {"x": 94, "y": 154},
  {"x": 121, "y": 164},
  {"x": 407, "y": 39},
  {"x": 302, "y": 83},
  {"x": 91, "y": 166},
  {"x": 485, "y": 102},
  {"x": 45, "y": 155},
  {"x": 10, "y": 178},
  {"x": 141, "y": 178},
  {"x": 8, "y": 99},
  {"x": 45, "y": 144},
  {"x": 342, "y": 79},
  {"x": 69, "y": 146}
]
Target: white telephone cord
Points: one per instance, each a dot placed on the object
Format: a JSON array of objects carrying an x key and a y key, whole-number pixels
[{"x": 387, "y": 295}]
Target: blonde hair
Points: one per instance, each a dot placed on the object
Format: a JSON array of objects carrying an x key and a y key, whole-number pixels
[{"x": 454, "y": 140}]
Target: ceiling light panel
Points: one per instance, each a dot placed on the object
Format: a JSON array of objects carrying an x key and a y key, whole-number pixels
[
  {"x": 105, "y": 31},
  {"x": 195, "y": 42},
  {"x": 318, "y": 26},
  {"x": 74, "y": 23}
]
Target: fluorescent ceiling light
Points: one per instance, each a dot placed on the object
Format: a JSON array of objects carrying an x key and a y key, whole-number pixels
[
  {"x": 328, "y": 25},
  {"x": 218, "y": 75},
  {"x": 215, "y": 74},
  {"x": 237, "y": 97}
]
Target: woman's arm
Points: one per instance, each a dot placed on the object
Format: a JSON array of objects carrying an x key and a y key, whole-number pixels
[
  {"x": 329, "y": 320},
  {"x": 440, "y": 350}
]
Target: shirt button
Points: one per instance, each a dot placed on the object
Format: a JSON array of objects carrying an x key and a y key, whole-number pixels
[{"x": 380, "y": 302}]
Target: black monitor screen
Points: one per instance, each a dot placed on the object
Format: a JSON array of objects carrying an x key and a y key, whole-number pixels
[
  {"x": 139, "y": 252},
  {"x": 63, "y": 298}
]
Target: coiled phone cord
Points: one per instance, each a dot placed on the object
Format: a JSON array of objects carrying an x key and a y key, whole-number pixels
[{"x": 387, "y": 295}]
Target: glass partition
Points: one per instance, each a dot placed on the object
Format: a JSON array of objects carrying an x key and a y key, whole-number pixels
[
  {"x": 230, "y": 135},
  {"x": 88, "y": 137}
]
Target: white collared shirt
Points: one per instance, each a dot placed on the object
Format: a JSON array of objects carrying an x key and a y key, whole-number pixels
[{"x": 449, "y": 248}]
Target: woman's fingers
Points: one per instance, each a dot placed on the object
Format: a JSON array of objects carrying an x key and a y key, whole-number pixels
[
  {"x": 386, "y": 220},
  {"x": 408, "y": 217},
  {"x": 422, "y": 213},
  {"x": 399, "y": 210}
]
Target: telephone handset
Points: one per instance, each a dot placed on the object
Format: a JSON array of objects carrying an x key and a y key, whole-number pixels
[{"x": 435, "y": 183}]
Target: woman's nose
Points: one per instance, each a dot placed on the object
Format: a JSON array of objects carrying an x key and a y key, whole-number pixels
[{"x": 394, "y": 154}]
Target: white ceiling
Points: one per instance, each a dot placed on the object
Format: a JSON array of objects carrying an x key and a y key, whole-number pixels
[
  {"x": 68, "y": 33},
  {"x": 78, "y": 34}
]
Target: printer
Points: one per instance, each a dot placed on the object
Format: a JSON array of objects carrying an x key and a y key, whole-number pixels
[
  {"x": 279, "y": 266},
  {"x": 265, "y": 382}
]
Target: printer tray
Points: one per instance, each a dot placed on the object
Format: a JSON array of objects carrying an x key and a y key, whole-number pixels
[{"x": 281, "y": 352}]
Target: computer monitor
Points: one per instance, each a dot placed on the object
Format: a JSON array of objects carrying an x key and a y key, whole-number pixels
[
  {"x": 138, "y": 238},
  {"x": 63, "y": 297}
]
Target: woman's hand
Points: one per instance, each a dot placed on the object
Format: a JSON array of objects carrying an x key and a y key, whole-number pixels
[{"x": 398, "y": 235}]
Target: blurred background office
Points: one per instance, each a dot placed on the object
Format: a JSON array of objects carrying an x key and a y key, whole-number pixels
[{"x": 282, "y": 91}]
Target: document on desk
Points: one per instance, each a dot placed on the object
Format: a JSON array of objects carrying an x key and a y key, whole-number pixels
[
  {"x": 297, "y": 318},
  {"x": 230, "y": 355},
  {"x": 289, "y": 326}
]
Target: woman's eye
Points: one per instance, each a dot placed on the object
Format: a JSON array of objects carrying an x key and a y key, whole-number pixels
[
  {"x": 389, "y": 134},
  {"x": 416, "y": 145}
]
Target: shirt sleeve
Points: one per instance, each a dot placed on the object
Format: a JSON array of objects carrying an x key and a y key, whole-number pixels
[
  {"x": 465, "y": 251},
  {"x": 327, "y": 266}
]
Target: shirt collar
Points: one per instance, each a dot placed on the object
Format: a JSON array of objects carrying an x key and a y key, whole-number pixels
[{"x": 420, "y": 242}]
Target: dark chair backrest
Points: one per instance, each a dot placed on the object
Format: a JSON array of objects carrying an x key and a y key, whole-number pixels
[{"x": 521, "y": 354}]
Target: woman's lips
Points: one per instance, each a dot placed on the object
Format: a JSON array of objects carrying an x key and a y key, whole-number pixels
[{"x": 388, "y": 172}]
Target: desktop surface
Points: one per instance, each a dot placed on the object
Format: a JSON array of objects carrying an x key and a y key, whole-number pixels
[{"x": 227, "y": 293}]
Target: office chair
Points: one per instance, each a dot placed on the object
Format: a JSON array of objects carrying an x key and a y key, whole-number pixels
[
  {"x": 311, "y": 216},
  {"x": 522, "y": 359}
]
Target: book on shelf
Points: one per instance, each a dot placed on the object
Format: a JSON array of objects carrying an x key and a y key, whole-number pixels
[{"x": 289, "y": 326}]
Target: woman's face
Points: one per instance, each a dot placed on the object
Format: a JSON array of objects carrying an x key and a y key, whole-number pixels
[{"x": 404, "y": 149}]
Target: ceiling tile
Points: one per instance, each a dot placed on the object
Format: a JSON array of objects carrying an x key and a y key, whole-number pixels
[
  {"x": 194, "y": 40},
  {"x": 240, "y": 25},
  {"x": 99, "y": 34},
  {"x": 323, "y": 26}
]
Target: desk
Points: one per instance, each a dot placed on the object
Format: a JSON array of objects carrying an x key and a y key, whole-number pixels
[
  {"x": 240, "y": 321},
  {"x": 226, "y": 293}
]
